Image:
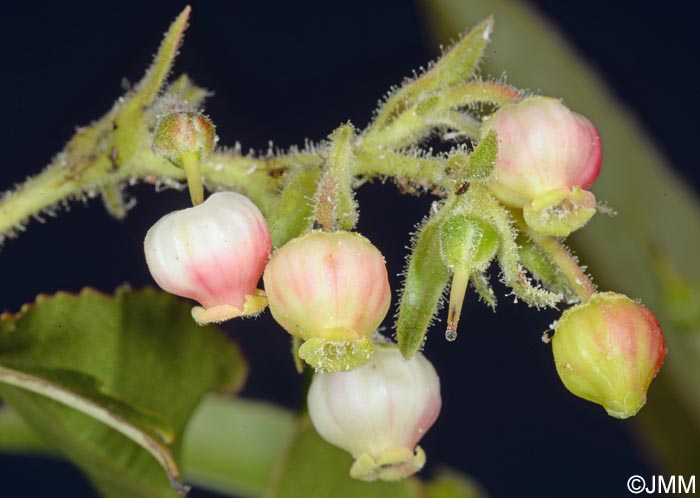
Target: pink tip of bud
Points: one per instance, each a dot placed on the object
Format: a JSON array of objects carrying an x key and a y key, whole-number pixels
[{"x": 213, "y": 253}]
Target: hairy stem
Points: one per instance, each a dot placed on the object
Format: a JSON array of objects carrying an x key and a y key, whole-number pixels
[{"x": 564, "y": 260}]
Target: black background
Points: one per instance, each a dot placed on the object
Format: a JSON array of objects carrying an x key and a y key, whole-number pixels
[{"x": 286, "y": 71}]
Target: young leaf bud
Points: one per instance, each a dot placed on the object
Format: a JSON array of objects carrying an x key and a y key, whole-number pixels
[
  {"x": 332, "y": 290},
  {"x": 467, "y": 244},
  {"x": 213, "y": 253},
  {"x": 608, "y": 350},
  {"x": 547, "y": 157},
  {"x": 378, "y": 412},
  {"x": 185, "y": 139}
]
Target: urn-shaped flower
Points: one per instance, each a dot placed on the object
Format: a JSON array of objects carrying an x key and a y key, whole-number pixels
[
  {"x": 547, "y": 157},
  {"x": 330, "y": 289},
  {"x": 214, "y": 253},
  {"x": 378, "y": 412},
  {"x": 608, "y": 350}
]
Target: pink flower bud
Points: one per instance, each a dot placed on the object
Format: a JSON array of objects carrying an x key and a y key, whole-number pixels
[
  {"x": 547, "y": 157},
  {"x": 330, "y": 289},
  {"x": 608, "y": 350},
  {"x": 378, "y": 412},
  {"x": 213, "y": 253}
]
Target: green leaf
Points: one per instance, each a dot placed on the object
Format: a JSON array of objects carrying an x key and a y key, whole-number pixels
[
  {"x": 81, "y": 392},
  {"x": 451, "y": 484},
  {"x": 311, "y": 467},
  {"x": 17, "y": 437},
  {"x": 232, "y": 445},
  {"x": 636, "y": 179},
  {"x": 153, "y": 362}
]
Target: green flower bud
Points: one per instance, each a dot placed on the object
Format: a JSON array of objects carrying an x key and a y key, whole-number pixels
[
  {"x": 467, "y": 244},
  {"x": 608, "y": 350}
]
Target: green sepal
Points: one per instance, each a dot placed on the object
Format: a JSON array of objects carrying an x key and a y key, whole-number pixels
[
  {"x": 467, "y": 242},
  {"x": 535, "y": 260},
  {"x": 483, "y": 159},
  {"x": 426, "y": 279},
  {"x": 294, "y": 213},
  {"x": 328, "y": 355},
  {"x": 481, "y": 285},
  {"x": 334, "y": 202}
]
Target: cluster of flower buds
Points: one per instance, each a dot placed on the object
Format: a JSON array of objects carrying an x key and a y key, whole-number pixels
[
  {"x": 608, "y": 350},
  {"x": 547, "y": 157},
  {"x": 330, "y": 289}
]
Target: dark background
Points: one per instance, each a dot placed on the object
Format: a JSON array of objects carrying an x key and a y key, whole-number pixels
[{"x": 286, "y": 71}]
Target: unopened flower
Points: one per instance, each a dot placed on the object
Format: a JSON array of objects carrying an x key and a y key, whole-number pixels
[
  {"x": 213, "y": 253},
  {"x": 608, "y": 350},
  {"x": 185, "y": 139},
  {"x": 330, "y": 289},
  {"x": 378, "y": 412},
  {"x": 547, "y": 157},
  {"x": 182, "y": 133}
]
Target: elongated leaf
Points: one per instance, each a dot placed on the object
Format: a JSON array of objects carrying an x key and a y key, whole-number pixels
[
  {"x": 81, "y": 393},
  {"x": 153, "y": 362}
]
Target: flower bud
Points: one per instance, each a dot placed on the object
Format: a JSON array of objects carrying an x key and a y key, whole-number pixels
[
  {"x": 330, "y": 289},
  {"x": 182, "y": 133},
  {"x": 378, "y": 412},
  {"x": 608, "y": 350},
  {"x": 213, "y": 253},
  {"x": 185, "y": 139},
  {"x": 547, "y": 157}
]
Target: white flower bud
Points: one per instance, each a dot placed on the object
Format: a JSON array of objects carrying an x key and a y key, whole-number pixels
[
  {"x": 378, "y": 412},
  {"x": 214, "y": 253}
]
